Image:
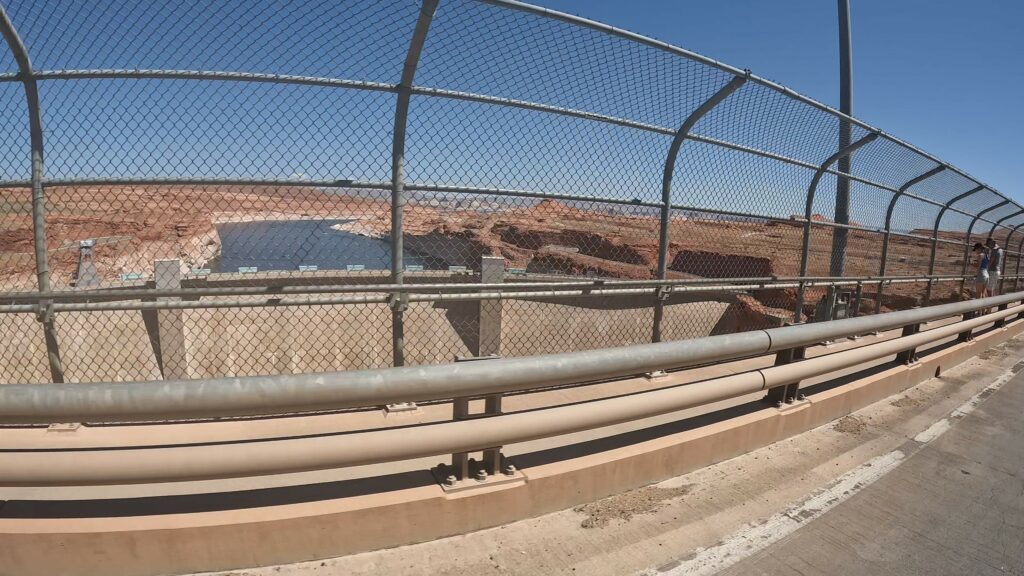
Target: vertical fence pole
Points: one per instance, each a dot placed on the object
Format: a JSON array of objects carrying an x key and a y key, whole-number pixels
[
  {"x": 666, "y": 190},
  {"x": 35, "y": 122},
  {"x": 935, "y": 237},
  {"x": 806, "y": 246},
  {"x": 399, "y": 302},
  {"x": 888, "y": 226}
]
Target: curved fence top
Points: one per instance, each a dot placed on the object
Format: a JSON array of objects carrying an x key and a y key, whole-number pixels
[
  {"x": 592, "y": 106},
  {"x": 413, "y": 136}
]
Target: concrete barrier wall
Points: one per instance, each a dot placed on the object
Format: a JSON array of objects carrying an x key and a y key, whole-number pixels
[
  {"x": 412, "y": 508},
  {"x": 126, "y": 345}
]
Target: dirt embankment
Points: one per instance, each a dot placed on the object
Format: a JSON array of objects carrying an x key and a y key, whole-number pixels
[{"x": 134, "y": 225}]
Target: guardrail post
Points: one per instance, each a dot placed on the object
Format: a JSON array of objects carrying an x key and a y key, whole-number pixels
[
  {"x": 1001, "y": 323},
  {"x": 789, "y": 393},
  {"x": 666, "y": 190},
  {"x": 492, "y": 462},
  {"x": 173, "y": 358},
  {"x": 460, "y": 460},
  {"x": 968, "y": 335},
  {"x": 858, "y": 295},
  {"x": 909, "y": 356}
]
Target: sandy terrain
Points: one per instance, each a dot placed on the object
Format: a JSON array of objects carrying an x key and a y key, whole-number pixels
[{"x": 135, "y": 225}]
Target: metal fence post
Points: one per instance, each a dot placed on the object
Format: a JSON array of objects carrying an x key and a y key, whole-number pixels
[
  {"x": 399, "y": 302},
  {"x": 935, "y": 236},
  {"x": 666, "y": 189},
  {"x": 35, "y": 122},
  {"x": 806, "y": 246},
  {"x": 888, "y": 226}
]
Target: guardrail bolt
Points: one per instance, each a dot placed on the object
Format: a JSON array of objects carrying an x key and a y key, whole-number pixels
[
  {"x": 480, "y": 475},
  {"x": 508, "y": 469}
]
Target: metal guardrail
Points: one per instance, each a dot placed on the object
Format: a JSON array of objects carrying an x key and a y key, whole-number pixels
[
  {"x": 247, "y": 396},
  {"x": 443, "y": 127},
  {"x": 268, "y": 395}
]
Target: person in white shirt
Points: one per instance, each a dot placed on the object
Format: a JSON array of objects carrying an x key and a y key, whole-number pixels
[{"x": 995, "y": 266}]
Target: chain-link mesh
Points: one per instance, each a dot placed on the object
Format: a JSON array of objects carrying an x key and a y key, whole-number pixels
[{"x": 219, "y": 186}]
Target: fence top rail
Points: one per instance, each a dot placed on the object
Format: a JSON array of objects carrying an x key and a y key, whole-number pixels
[
  {"x": 690, "y": 55},
  {"x": 282, "y": 394}
]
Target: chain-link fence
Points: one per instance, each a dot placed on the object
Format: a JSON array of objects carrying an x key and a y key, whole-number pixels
[{"x": 204, "y": 189}]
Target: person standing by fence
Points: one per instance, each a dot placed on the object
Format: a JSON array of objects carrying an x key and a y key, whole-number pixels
[
  {"x": 995, "y": 266},
  {"x": 982, "y": 276}
]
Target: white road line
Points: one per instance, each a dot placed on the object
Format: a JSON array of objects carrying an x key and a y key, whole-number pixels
[
  {"x": 934, "y": 431},
  {"x": 756, "y": 537}
]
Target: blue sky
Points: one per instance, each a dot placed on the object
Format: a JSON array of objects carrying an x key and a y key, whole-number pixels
[
  {"x": 944, "y": 75},
  {"x": 939, "y": 74}
]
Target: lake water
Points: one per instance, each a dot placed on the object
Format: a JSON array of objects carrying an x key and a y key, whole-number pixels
[{"x": 288, "y": 244}]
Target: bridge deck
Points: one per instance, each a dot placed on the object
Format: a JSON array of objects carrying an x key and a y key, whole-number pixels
[
  {"x": 921, "y": 514},
  {"x": 954, "y": 505}
]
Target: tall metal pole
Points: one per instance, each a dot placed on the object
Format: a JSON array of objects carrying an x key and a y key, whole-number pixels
[
  {"x": 399, "y": 301},
  {"x": 35, "y": 125},
  {"x": 842, "y": 212}
]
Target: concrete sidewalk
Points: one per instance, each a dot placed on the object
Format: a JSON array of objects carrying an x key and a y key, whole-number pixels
[{"x": 954, "y": 505}]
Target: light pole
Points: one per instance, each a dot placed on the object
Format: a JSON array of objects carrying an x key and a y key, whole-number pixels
[{"x": 842, "y": 212}]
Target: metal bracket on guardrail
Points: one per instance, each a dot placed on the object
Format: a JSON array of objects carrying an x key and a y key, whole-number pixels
[
  {"x": 909, "y": 356},
  {"x": 44, "y": 312},
  {"x": 398, "y": 302},
  {"x": 493, "y": 467},
  {"x": 663, "y": 293}
]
